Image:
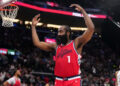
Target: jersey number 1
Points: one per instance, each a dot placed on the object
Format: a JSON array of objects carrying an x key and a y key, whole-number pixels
[{"x": 68, "y": 59}]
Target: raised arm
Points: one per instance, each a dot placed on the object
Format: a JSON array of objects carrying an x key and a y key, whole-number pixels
[
  {"x": 42, "y": 45},
  {"x": 87, "y": 35}
]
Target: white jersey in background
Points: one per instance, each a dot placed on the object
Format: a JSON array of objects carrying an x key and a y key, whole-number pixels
[{"x": 118, "y": 78}]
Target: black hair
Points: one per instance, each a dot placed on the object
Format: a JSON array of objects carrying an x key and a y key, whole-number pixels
[
  {"x": 68, "y": 29},
  {"x": 12, "y": 71}
]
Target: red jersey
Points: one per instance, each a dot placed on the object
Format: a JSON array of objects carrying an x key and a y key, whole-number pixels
[
  {"x": 14, "y": 81},
  {"x": 67, "y": 62}
]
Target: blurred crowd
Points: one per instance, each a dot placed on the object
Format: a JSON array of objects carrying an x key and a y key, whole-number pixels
[{"x": 98, "y": 64}]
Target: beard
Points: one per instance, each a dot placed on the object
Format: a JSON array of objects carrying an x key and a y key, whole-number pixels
[
  {"x": 61, "y": 39},
  {"x": 19, "y": 75}
]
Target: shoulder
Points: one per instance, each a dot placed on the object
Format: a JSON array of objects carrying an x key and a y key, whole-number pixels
[
  {"x": 52, "y": 46},
  {"x": 79, "y": 42},
  {"x": 19, "y": 79},
  {"x": 11, "y": 80},
  {"x": 116, "y": 73}
]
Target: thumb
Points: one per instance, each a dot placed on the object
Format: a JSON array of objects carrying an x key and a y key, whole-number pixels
[
  {"x": 77, "y": 9},
  {"x": 38, "y": 19}
]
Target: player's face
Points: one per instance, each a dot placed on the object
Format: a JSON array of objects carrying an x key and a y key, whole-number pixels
[
  {"x": 19, "y": 72},
  {"x": 62, "y": 36},
  {"x": 61, "y": 31}
]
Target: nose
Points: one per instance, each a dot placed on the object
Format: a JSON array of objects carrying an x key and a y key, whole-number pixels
[{"x": 59, "y": 34}]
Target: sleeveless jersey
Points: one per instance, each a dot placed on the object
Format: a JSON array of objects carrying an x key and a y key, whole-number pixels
[
  {"x": 67, "y": 61},
  {"x": 14, "y": 81}
]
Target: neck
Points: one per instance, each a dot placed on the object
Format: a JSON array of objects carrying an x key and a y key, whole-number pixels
[
  {"x": 16, "y": 75},
  {"x": 68, "y": 42}
]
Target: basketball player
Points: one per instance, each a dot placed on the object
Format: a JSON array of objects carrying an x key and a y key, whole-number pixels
[
  {"x": 117, "y": 75},
  {"x": 68, "y": 52},
  {"x": 15, "y": 80}
]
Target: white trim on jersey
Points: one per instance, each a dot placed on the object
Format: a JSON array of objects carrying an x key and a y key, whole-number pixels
[
  {"x": 79, "y": 57},
  {"x": 79, "y": 71},
  {"x": 70, "y": 42},
  {"x": 76, "y": 77},
  {"x": 75, "y": 48}
]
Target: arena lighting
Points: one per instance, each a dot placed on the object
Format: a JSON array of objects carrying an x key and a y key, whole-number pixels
[
  {"x": 53, "y": 25},
  {"x": 73, "y": 28},
  {"x": 57, "y": 11},
  {"x": 29, "y": 22},
  {"x": 50, "y": 25},
  {"x": 16, "y": 20},
  {"x": 52, "y": 4},
  {"x": 56, "y": 26},
  {"x": 78, "y": 28}
]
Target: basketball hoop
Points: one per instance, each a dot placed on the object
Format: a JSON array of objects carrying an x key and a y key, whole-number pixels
[
  {"x": 4, "y": 3},
  {"x": 8, "y": 14}
]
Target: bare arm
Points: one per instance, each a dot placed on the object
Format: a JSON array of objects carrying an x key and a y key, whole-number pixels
[
  {"x": 87, "y": 35},
  {"x": 42, "y": 45},
  {"x": 6, "y": 84}
]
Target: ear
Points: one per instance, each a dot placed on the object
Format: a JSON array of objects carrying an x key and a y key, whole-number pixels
[{"x": 68, "y": 34}]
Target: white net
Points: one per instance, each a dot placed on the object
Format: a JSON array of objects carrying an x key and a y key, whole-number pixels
[{"x": 8, "y": 14}]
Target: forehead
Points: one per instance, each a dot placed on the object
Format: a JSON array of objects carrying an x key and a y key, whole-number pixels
[
  {"x": 19, "y": 70},
  {"x": 61, "y": 28}
]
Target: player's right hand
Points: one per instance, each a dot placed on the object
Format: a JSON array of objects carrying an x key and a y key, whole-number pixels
[
  {"x": 77, "y": 7},
  {"x": 35, "y": 20}
]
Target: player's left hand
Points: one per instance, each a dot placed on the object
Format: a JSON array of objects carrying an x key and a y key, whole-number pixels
[{"x": 77, "y": 7}]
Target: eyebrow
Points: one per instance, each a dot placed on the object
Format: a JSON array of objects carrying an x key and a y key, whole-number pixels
[{"x": 60, "y": 30}]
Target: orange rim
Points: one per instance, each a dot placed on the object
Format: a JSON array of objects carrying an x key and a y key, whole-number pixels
[
  {"x": 12, "y": 5},
  {"x": 2, "y": 9}
]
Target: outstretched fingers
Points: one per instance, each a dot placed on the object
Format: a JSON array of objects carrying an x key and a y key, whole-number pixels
[
  {"x": 36, "y": 17},
  {"x": 73, "y": 5}
]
